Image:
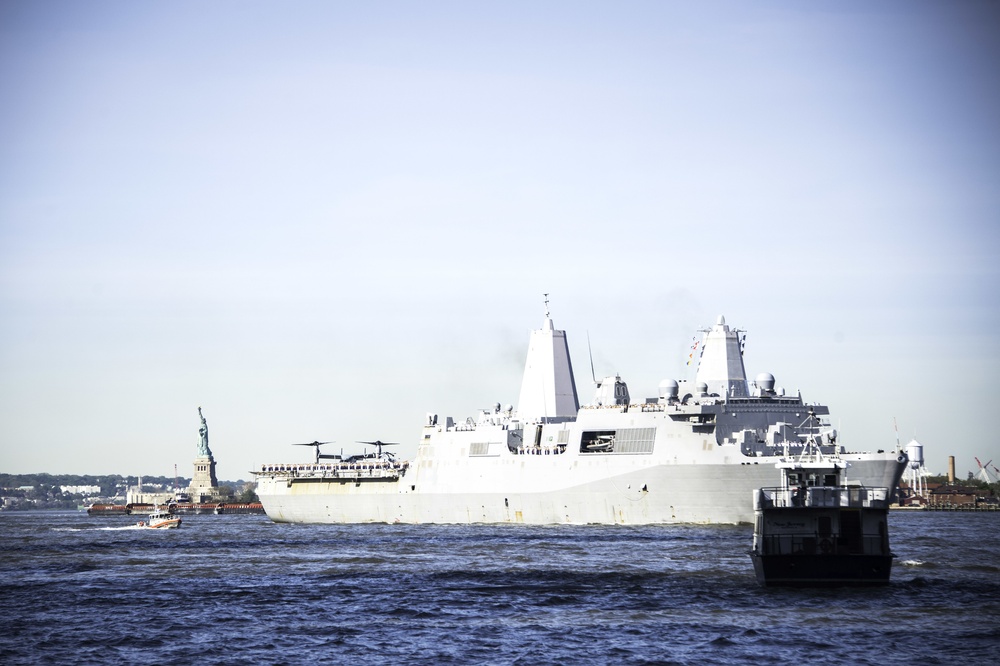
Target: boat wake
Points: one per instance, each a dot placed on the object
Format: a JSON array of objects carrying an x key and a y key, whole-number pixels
[
  {"x": 97, "y": 529},
  {"x": 912, "y": 563}
]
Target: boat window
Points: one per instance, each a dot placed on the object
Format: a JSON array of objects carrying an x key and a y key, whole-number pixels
[{"x": 825, "y": 526}]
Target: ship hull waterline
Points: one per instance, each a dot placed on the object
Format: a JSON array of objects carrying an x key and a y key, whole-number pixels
[
  {"x": 822, "y": 570},
  {"x": 656, "y": 494}
]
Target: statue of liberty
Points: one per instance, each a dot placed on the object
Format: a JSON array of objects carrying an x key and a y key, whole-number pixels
[{"x": 203, "y": 450}]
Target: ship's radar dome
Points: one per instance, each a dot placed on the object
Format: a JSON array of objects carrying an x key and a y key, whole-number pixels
[
  {"x": 765, "y": 381},
  {"x": 668, "y": 388},
  {"x": 702, "y": 388}
]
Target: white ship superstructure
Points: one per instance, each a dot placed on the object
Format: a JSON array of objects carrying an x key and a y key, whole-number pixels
[{"x": 691, "y": 454}]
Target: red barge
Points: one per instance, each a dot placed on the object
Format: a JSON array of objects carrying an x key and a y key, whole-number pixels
[{"x": 186, "y": 509}]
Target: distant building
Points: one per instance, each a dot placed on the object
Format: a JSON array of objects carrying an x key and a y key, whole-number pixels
[
  {"x": 137, "y": 496},
  {"x": 80, "y": 490},
  {"x": 959, "y": 496}
]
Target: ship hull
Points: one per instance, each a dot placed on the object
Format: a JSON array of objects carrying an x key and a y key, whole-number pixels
[
  {"x": 822, "y": 570},
  {"x": 649, "y": 494}
]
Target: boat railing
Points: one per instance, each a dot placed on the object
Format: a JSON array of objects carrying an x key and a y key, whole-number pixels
[
  {"x": 345, "y": 470},
  {"x": 852, "y": 497},
  {"x": 811, "y": 543}
]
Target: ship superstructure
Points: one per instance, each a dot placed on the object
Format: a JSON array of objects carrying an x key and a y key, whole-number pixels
[{"x": 693, "y": 453}]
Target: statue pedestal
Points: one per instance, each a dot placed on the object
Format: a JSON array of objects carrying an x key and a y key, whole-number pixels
[{"x": 204, "y": 483}]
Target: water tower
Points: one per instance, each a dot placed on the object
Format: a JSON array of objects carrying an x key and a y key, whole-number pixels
[{"x": 916, "y": 474}]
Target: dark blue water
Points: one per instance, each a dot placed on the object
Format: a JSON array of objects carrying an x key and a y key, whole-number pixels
[{"x": 240, "y": 589}]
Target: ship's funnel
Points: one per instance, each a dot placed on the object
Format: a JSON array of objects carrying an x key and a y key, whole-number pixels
[
  {"x": 721, "y": 366},
  {"x": 548, "y": 389}
]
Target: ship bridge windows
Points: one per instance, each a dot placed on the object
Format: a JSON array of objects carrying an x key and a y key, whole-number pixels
[{"x": 622, "y": 440}]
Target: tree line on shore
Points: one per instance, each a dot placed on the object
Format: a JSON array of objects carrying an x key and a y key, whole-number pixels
[{"x": 45, "y": 491}]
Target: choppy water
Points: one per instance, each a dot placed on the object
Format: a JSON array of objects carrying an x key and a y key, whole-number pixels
[{"x": 240, "y": 589}]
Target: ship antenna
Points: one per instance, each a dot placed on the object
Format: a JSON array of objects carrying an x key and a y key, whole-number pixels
[
  {"x": 896, "y": 428},
  {"x": 546, "y": 305}
]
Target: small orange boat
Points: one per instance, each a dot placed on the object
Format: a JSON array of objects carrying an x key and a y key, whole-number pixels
[{"x": 160, "y": 520}]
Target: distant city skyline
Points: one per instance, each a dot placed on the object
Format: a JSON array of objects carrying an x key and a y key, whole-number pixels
[{"x": 322, "y": 221}]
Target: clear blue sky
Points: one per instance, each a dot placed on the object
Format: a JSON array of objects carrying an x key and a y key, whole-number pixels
[{"x": 323, "y": 220}]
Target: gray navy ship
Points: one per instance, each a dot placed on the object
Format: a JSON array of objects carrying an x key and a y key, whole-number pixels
[{"x": 693, "y": 453}]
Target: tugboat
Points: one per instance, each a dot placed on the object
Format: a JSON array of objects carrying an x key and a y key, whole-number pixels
[
  {"x": 816, "y": 530},
  {"x": 160, "y": 519}
]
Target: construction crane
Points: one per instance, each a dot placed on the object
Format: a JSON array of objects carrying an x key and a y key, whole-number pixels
[{"x": 985, "y": 475}]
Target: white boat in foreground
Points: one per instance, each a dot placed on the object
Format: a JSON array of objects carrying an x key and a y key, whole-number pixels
[
  {"x": 160, "y": 519},
  {"x": 692, "y": 454}
]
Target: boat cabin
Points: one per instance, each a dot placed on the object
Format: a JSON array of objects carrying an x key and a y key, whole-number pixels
[{"x": 816, "y": 529}]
